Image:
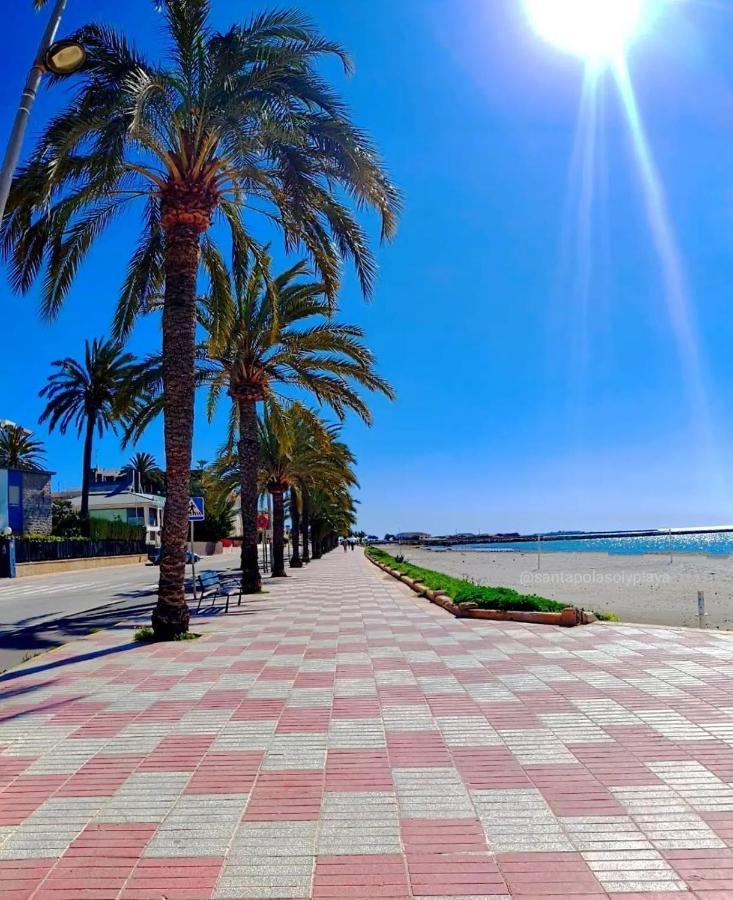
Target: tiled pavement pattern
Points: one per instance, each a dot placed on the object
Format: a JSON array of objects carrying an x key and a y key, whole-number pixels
[{"x": 339, "y": 737}]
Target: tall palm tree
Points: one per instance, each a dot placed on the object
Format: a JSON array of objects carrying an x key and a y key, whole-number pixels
[
  {"x": 145, "y": 471},
  {"x": 231, "y": 117},
  {"x": 293, "y": 446},
  {"x": 19, "y": 450},
  {"x": 87, "y": 395},
  {"x": 296, "y": 561},
  {"x": 333, "y": 514},
  {"x": 279, "y": 336},
  {"x": 322, "y": 463}
]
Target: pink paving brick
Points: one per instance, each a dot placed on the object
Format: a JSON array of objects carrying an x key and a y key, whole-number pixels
[
  {"x": 721, "y": 823},
  {"x": 453, "y": 705},
  {"x": 100, "y": 859},
  {"x": 177, "y": 753},
  {"x": 293, "y": 795},
  {"x": 179, "y": 878},
  {"x": 548, "y": 875},
  {"x": 253, "y": 709},
  {"x": 165, "y": 711},
  {"x": 454, "y": 875},
  {"x": 510, "y": 716},
  {"x": 441, "y": 836},
  {"x": 101, "y": 776},
  {"x": 105, "y": 725},
  {"x": 304, "y": 720},
  {"x": 571, "y": 790},
  {"x": 216, "y": 699},
  {"x": 358, "y": 770},
  {"x": 246, "y": 667},
  {"x": 613, "y": 765},
  {"x": 12, "y": 766},
  {"x": 225, "y": 773},
  {"x": 75, "y": 711},
  {"x": 314, "y": 680},
  {"x": 491, "y": 768},
  {"x": 278, "y": 673},
  {"x": 704, "y": 870},
  {"x": 355, "y": 708},
  {"x": 19, "y": 878},
  {"x": 25, "y": 794},
  {"x": 361, "y": 876},
  {"x": 417, "y": 748}
]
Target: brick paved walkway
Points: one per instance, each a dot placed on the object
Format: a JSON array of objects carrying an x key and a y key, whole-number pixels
[{"x": 341, "y": 738}]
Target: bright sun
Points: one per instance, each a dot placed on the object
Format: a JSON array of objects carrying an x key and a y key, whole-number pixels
[{"x": 596, "y": 30}]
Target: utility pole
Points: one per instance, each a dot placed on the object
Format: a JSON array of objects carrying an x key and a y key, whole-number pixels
[{"x": 27, "y": 98}]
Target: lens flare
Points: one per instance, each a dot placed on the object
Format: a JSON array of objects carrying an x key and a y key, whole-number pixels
[{"x": 595, "y": 30}]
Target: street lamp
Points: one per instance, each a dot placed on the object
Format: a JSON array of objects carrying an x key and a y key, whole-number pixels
[
  {"x": 61, "y": 58},
  {"x": 64, "y": 57}
]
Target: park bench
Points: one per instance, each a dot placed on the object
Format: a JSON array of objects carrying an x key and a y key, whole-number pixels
[{"x": 210, "y": 585}]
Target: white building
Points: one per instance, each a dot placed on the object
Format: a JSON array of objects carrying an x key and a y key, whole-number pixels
[{"x": 128, "y": 506}]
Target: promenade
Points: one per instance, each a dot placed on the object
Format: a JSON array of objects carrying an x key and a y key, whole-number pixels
[{"x": 339, "y": 737}]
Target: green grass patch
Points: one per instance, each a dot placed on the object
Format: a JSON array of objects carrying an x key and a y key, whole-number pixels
[
  {"x": 462, "y": 591},
  {"x": 146, "y": 635}
]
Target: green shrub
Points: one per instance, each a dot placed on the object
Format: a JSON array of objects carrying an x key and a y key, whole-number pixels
[
  {"x": 462, "y": 591},
  {"x": 65, "y": 520},
  {"x": 146, "y": 635},
  {"x": 114, "y": 530}
]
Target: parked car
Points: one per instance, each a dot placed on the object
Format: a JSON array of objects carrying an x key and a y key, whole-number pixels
[{"x": 154, "y": 556}]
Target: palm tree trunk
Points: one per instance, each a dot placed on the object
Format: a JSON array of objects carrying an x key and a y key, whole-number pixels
[
  {"x": 315, "y": 540},
  {"x": 171, "y": 615},
  {"x": 88, "y": 441},
  {"x": 295, "y": 561},
  {"x": 278, "y": 535},
  {"x": 248, "y": 448},
  {"x": 306, "y": 557}
]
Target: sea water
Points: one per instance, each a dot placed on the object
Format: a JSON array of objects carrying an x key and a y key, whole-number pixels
[{"x": 718, "y": 543}]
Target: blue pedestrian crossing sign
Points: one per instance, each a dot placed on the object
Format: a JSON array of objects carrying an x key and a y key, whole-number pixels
[{"x": 196, "y": 509}]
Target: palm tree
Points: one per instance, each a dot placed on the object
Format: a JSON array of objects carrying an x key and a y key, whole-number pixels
[
  {"x": 279, "y": 336},
  {"x": 305, "y": 517},
  {"x": 88, "y": 395},
  {"x": 296, "y": 561},
  {"x": 323, "y": 464},
  {"x": 18, "y": 449},
  {"x": 231, "y": 117},
  {"x": 293, "y": 445},
  {"x": 333, "y": 514},
  {"x": 295, "y": 448},
  {"x": 145, "y": 471}
]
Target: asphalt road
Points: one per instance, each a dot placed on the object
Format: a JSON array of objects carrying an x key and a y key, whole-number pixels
[{"x": 44, "y": 611}]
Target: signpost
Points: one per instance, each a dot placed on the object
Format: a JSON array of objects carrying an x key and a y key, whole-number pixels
[
  {"x": 263, "y": 523},
  {"x": 195, "y": 514}
]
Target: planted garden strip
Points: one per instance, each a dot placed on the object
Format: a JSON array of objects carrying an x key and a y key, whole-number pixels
[{"x": 566, "y": 617}]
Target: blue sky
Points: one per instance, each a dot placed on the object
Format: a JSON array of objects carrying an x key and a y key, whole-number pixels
[{"x": 514, "y": 411}]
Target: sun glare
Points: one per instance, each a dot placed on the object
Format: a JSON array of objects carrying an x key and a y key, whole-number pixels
[{"x": 595, "y": 30}]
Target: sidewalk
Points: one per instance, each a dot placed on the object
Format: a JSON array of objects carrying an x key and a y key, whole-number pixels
[{"x": 340, "y": 737}]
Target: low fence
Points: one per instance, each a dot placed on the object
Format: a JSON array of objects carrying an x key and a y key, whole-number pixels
[{"x": 27, "y": 551}]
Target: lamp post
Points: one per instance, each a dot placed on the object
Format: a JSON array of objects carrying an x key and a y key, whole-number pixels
[{"x": 61, "y": 58}]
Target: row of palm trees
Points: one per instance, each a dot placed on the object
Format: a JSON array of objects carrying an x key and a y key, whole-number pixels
[
  {"x": 265, "y": 337},
  {"x": 232, "y": 121}
]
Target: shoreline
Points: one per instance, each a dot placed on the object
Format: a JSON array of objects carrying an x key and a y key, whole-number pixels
[{"x": 639, "y": 588}]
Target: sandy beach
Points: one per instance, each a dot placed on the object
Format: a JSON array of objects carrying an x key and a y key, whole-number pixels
[{"x": 646, "y": 589}]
